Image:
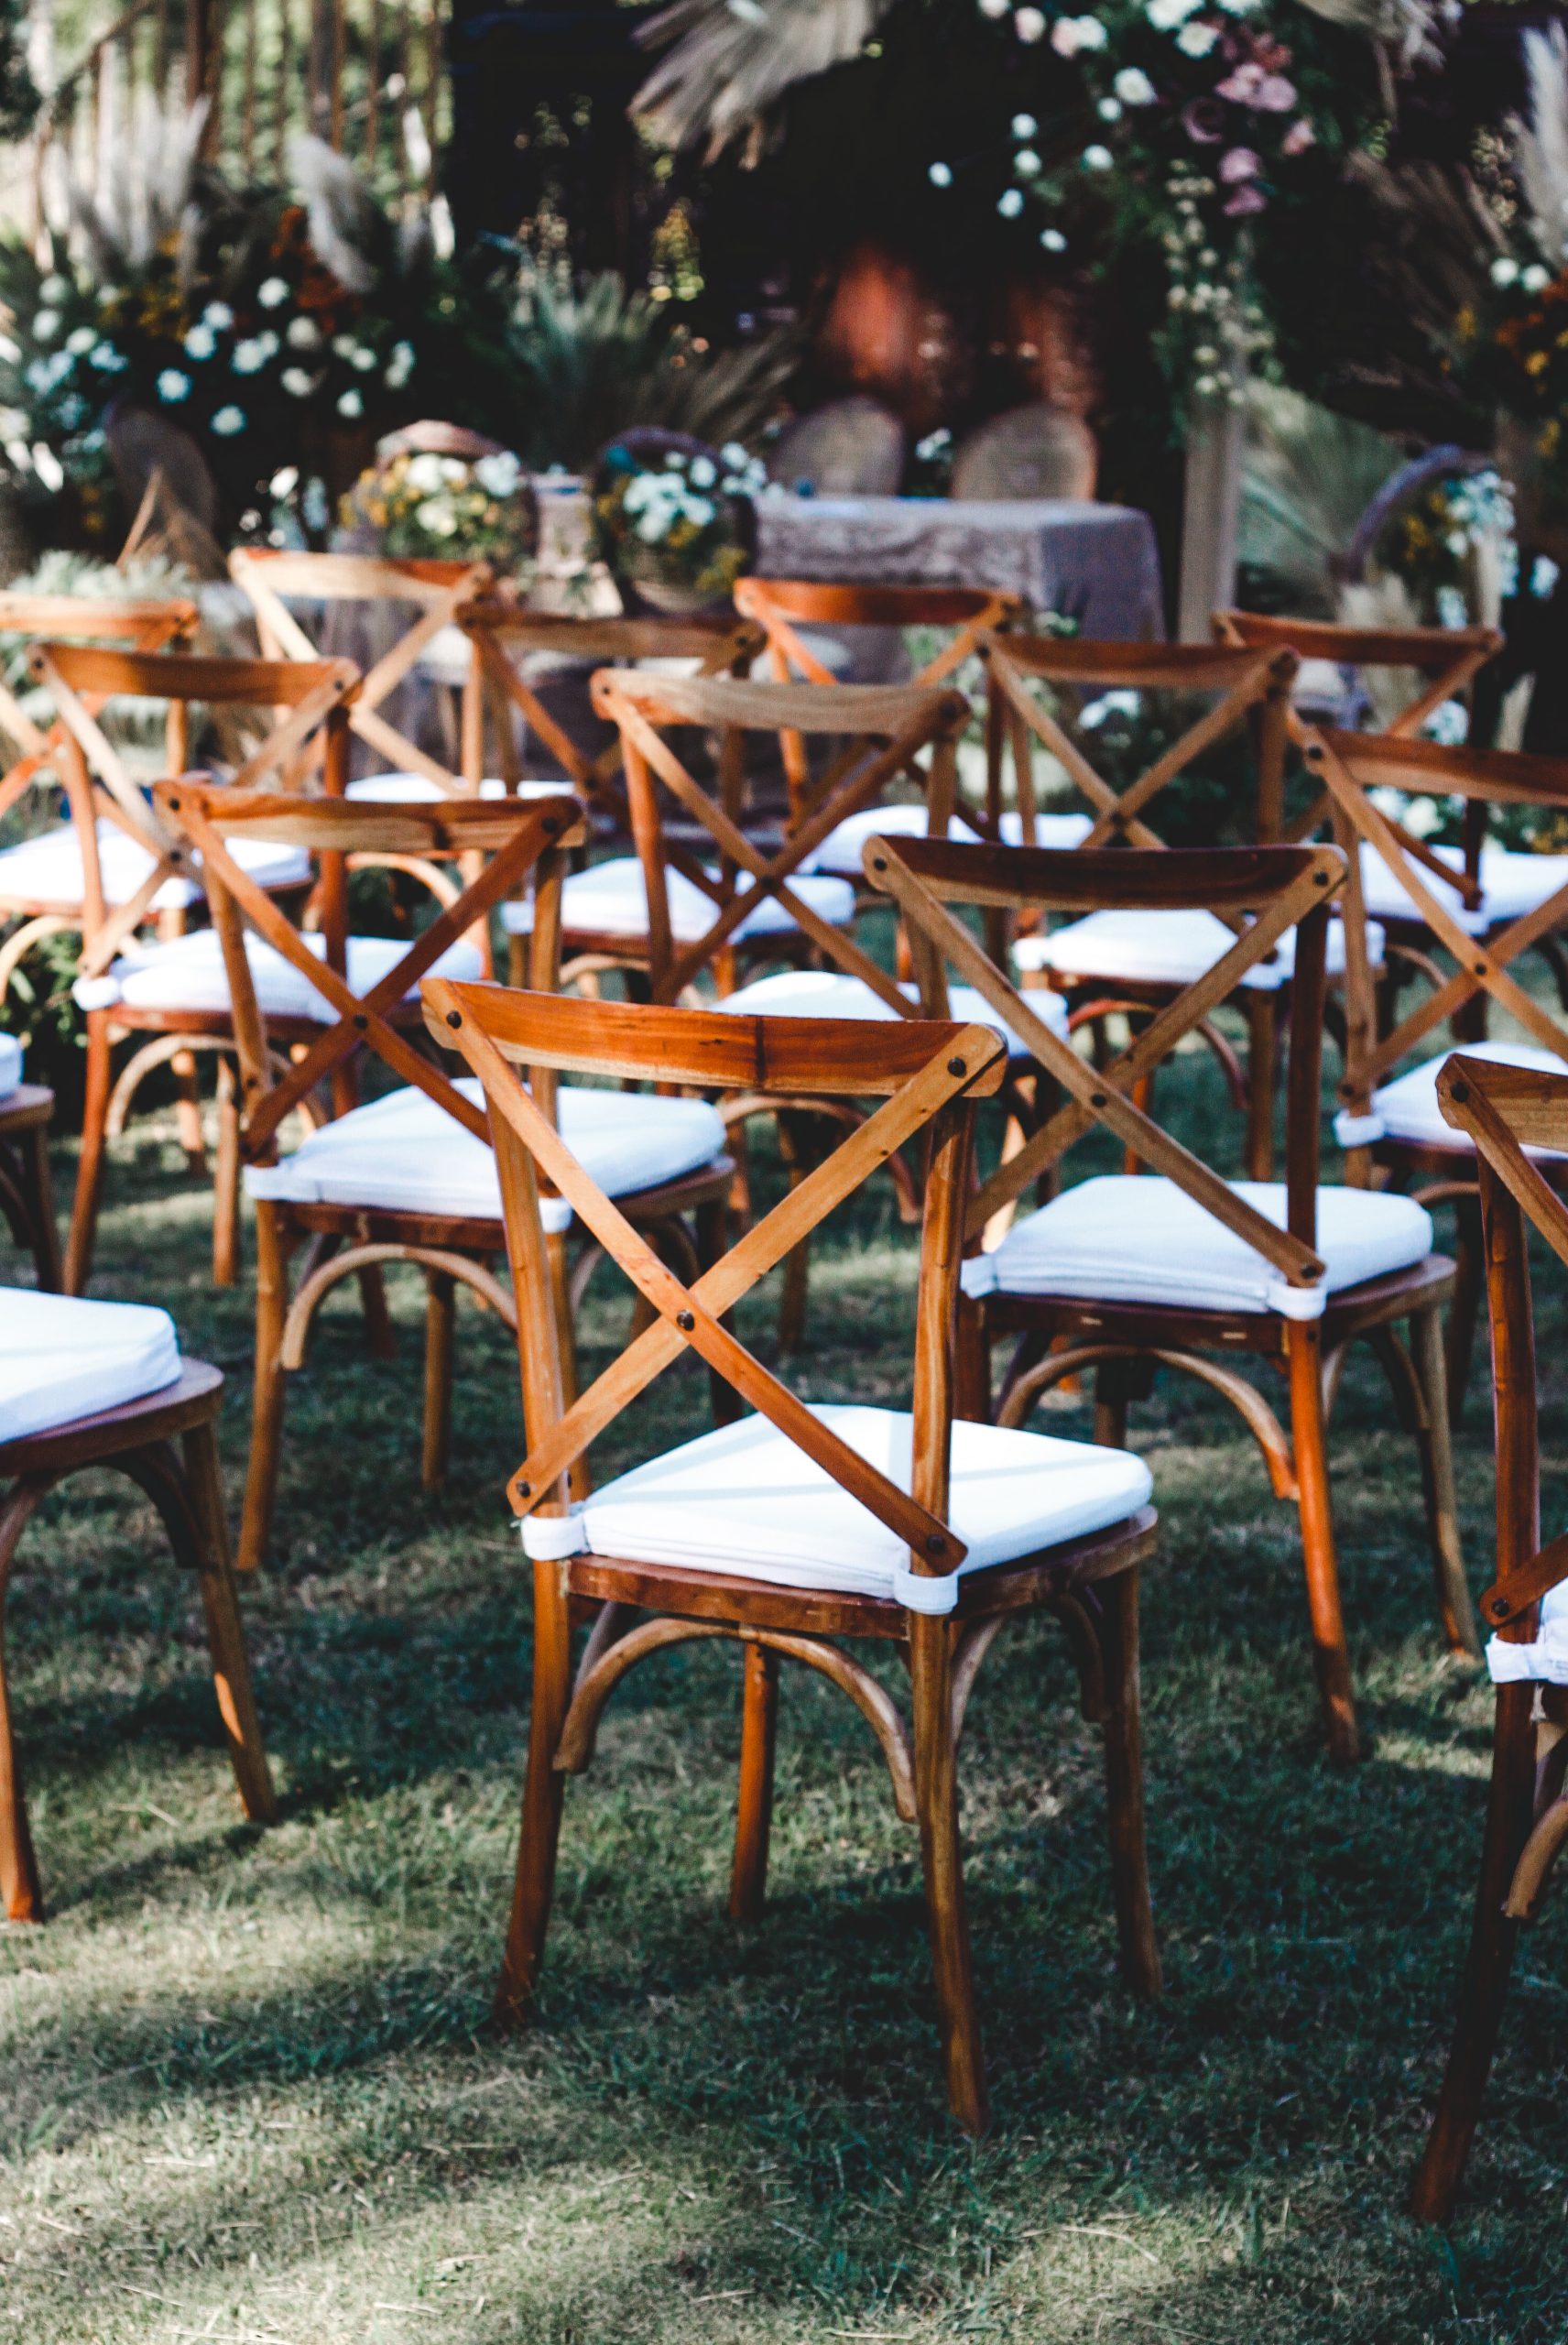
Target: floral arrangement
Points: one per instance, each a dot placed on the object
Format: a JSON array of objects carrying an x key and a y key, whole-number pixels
[
  {"x": 1512, "y": 348},
  {"x": 680, "y": 521},
  {"x": 427, "y": 507},
  {"x": 1434, "y": 542}
]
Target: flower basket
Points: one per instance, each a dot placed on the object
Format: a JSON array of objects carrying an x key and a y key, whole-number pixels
[{"x": 673, "y": 520}]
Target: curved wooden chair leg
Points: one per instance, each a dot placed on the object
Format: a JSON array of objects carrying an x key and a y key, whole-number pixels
[
  {"x": 440, "y": 1313},
  {"x": 90, "y": 1162},
  {"x": 269, "y": 1388},
  {"x": 1492, "y": 1938},
  {"x": 942, "y": 1857},
  {"x": 37, "y": 1193},
  {"x": 225, "y": 1634},
  {"x": 534, "y": 1890},
  {"x": 21, "y": 1894},
  {"x": 1123, "y": 1731},
  {"x": 1470, "y": 1263},
  {"x": 226, "y": 1181},
  {"x": 1309, "y": 1441},
  {"x": 754, "y": 1813},
  {"x": 188, "y": 1113},
  {"x": 380, "y": 1336},
  {"x": 1454, "y": 1608}
]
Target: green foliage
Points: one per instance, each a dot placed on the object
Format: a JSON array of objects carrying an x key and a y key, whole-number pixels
[{"x": 1310, "y": 476}]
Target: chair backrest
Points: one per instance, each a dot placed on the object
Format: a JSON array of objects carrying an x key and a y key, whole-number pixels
[
  {"x": 927, "y": 1076},
  {"x": 299, "y": 699},
  {"x": 139, "y": 624},
  {"x": 1357, "y": 769},
  {"x": 1247, "y": 692},
  {"x": 1449, "y": 658},
  {"x": 852, "y": 447},
  {"x": 782, "y": 605},
  {"x": 503, "y": 635},
  {"x": 433, "y": 590},
  {"x": 876, "y": 732},
  {"x": 509, "y": 839},
  {"x": 1265, "y": 892},
  {"x": 1031, "y": 451},
  {"x": 1506, "y": 1110}
]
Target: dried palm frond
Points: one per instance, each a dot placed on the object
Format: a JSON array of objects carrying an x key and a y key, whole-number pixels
[
  {"x": 1309, "y": 476},
  {"x": 1540, "y": 144},
  {"x": 117, "y": 208},
  {"x": 1410, "y": 29},
  {"x": 346, "y": 224},
  {"x": 731, "y": 60},
  {"x": 1439, "y": 240}
]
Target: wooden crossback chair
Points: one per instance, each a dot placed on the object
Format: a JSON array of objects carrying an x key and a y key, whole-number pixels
[
  {"x": 505, "y": 637},
  {"x": 1180, "y": 1268},
  {"x": 26, "y": 1194},
  {"x": 1506, "y": 1113},
  {"x": 1448, "y": 659},
  {"x": 794, "y": 1527},
  {"x": 141, "y": 625},
  {"x": 1395, "y": 1124},
  {"x": 435, "y": 590},
  {"x": 291, "y": 700},
  {"x": 408, "y": 1178}
]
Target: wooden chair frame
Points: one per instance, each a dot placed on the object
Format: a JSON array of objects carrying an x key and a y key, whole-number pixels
[
  {"x": 1506, "y": 1110},
  {"x": 138, "y": 1440},
  {"x": 312, "y": 697},
  {"x": 27, "y": 1195},
  {"x": 927, "y": 1078},
  {"x": 1284, "y": 888}
]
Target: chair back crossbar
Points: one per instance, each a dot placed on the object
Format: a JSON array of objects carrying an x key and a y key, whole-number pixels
[
  {"x": 1247, "y": 685},
  {"x": 1265, "y": 892},
  {"x": 878, "y": 731},
  {"x": 141, "y": 625},
  {"x": 514, "y": 836},
  {"x": 502, "y": 633},
  {"x": 1355, "y": 765},
  {"x": 924, "y": 1074},
  {"x": 302, "y": 700},
  {"x": 435, "y": 589}
]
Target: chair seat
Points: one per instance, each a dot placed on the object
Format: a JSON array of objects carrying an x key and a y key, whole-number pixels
[
  {"x": 405, "y": 1154},
  {"x": 611, "y": 899},
  {"x": 47, "y": 870},
  {"x": 745, "y": 1500},
  {"x": 61, "y": 1358},
  {"x": 843, "y": 850},
  {"x": 186, "y": 975},
  {"x": 1131, "y": 1239},
  {"x": 1167, "y": 948},
  {"x": 418, "y": 790},
  {"x": 1546, "y": 1658},
  {"x": 10, "y": 1064},
  {"x": 1407, "y": 1110},
  {"x": 1511, "y": 884},
  {"x": 828, "y": 993}
]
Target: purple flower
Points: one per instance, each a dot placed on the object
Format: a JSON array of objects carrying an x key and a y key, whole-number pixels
[
  {"x": 1275, "y": 94},
  {"x": 1245, "y": 199},
  {"x": 1241, "y": 163},
  {"x": 1204, "y": 122},
  {"x": 1242, "y": 86},
  {"x": 1298, "y": 137}
]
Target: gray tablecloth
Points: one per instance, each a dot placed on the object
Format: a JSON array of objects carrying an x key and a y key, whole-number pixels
[{"x": 1096, "y": 564}]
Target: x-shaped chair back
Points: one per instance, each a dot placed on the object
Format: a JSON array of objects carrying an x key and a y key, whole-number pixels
[
  {"x": 877, "y": 731},
  {"x": 1247, "y": 686},
  {"x": 436, "y": 590},
  {"x": 502, "y": 633},
  {"x": 1354, "y": 766},
  {"x": 140, "y": 626},
  {"x": 514, "y": 836},
  {"x": 301, "y": 700},
  {"x": 1265, "y": 890},
  {"x": 924, "y": 1074}
]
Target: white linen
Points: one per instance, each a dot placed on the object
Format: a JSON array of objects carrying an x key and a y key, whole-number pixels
[
  {"x": 61, "y": 1358},
  {"x": 47, "y": 870},
  {"x": 1511, "y": 884},
  {"x": 10, "y": 1064},
  {"x": 745, "y": 1500},
  {"x": 611, "y": 899},
  {"x": 187, "y": 973},
  {"x": 1169, "y": 948},
  {"x": 828, "y": 993},
  {"x": 843, "y": 850},
  {"x": 1546, "y": 1657},
  {"x": 1123, "y": 1237},
  {"x": 1407, "y": 1109}
]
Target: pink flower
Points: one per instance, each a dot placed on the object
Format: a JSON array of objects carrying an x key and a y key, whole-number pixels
[
  {"x": 1245, "y": 200},
  {"x": 1241, "y": 163},
  {"x": 1242, "y": 86},
  {"x": 1204, "y": 122},
  {"x": 1298, "y": 137},
  {"x": 1275, "y": 94}
]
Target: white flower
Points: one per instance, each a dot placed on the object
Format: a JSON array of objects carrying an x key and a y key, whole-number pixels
[
  {"x": 303, "y": 333},
  {"x": 1097, "y": 159},
  {"x": 1053, "y": 240},
  {"x": 362, "y": 360},
  {"x": 705, "y": 473},
  {"x": 1535, "y": 279},
  {"x": 45, "y": 325},
  {"x": 173, "y": 385},
  {"x": 700, "y": 509},
  {"x": 1196, "y": 40},
  {"x": 344, "y": 345},
  {"x": 1026, "y": 162},
  {"x": 352, "y": 403},
  {"x": 200, "y": 342},
  {"x": 1011, "y": 203},
  {"x": 940, "y": 175},
  {"x": 994, "y": 7},
  {"x": 82, "y": 341},
  {"x": 1071, "y": 34},
  {"x": 1133, "y": 86},
  {"x": 1109, "y": 109},
  {"x": 107, "y": 359},
  {"x": 272, "y": 292},
  {"x": 1503, "y": 272},
  {"x": 298, "y": 383},
  {"x": 1112, "y": 703},
  {"x": 228, "y": 421},
  {"x": 425, "y": 475},
  {"x": 248, "y": 356},
  {"x": 218, "y": 315},
  {"x": 436, "y": 518},
  {"x": 268, "y": 343},
  {"x": 734, "y": 456},
  {"x": 400, "y": 365},
  {"x": 1166, "y": 14},
  {"x": 1029, "y": 25},
  {"x": 53, "y": 289},
  {"x": 1024, "y": 125},
  {"x": 498, "y": 475}
]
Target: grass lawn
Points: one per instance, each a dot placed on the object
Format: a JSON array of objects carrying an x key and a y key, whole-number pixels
[{"x": 251, "y": 2088}]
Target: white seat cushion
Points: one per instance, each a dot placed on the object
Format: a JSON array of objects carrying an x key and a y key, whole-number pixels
[
  {"x": 1407, "y": 1109},
  {"x": 1547, "y": 1657},
  {"x": 1133, "y": 1239},
  {"x": 405, "y": 1154},
  {"x": 61, "y": 1358},
  {"x": 188, "y": 974},
  {"x": 1168, "y": 948},
  {"x": 844, "y": 848},
  {"x": 47, "y": 870},
  {"x": 418, "y": 790},
  {"x": 1511, "y": 884},
  {"x": 611, "y": 899},
  {"x": 746, "y": 1501},
  {"x": 10, "y": 1064},
  {"x": 830, "y": 993}
]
